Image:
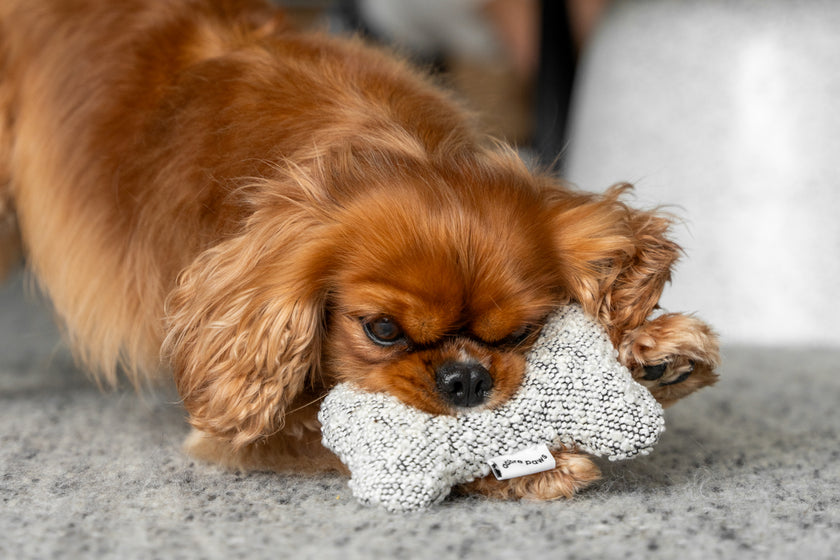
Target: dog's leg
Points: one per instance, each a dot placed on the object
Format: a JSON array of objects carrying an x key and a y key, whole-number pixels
[
  {"x": 9, "y": 234},
  {"x": 297, "y": 448},
  {"x": 574, "y": 472},
  {"x": 672, "y": 355},
  {"x": 279, "y": 453}
]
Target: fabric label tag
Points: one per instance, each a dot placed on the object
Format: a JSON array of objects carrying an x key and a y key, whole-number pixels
[{"x": 527, "y": 461}]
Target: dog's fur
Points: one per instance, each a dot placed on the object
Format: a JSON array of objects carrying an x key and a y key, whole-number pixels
[{"x": 200, "y": 190}]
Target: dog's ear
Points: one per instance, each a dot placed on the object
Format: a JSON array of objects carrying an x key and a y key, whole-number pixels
[
  {"x": 614, "y": 260},
  {"x": 245, "y": 324}
]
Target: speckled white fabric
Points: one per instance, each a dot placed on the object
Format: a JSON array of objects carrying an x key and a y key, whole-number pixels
[{"x": 575, "y": 393}]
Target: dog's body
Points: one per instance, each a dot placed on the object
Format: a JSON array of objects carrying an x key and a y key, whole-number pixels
[{"x": 278, "y": 211}]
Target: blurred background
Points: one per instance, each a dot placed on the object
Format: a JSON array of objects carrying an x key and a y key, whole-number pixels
[{"x": 725, "y": 112}]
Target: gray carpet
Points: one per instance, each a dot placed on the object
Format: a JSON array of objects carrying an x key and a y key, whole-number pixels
[{"x": 749, "y": 468}]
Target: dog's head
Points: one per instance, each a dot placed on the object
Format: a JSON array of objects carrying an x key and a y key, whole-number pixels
[
  {"x": 426, "y": 279},
  {"x": 441, "y": 281}
]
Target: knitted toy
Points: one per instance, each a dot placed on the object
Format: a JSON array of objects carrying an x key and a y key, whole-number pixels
[{"x": 575, "y": 393}]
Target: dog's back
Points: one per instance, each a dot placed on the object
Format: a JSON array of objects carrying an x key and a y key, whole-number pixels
[
  {"x": 79, "y": 79},
  {"x": 128, "y": 125}
]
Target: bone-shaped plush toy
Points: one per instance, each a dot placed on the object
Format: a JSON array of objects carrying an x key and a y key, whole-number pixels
[{"x": 575, "y": 394}]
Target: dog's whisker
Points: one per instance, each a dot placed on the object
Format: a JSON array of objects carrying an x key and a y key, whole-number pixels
[{"x": 310, "y": 403}]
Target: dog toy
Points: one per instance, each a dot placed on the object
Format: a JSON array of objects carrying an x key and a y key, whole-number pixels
[{"x": 575, "y": 394}]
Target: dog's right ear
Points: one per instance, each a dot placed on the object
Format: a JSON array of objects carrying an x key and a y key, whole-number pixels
[{"x": 244, "y": 330}]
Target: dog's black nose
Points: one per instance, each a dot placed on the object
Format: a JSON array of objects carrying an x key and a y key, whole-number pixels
[{"x": 464, "y": 384}]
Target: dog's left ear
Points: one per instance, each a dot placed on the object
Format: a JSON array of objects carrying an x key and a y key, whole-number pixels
[
  {"x": 244, "y": 332},
  {"x": 615, "y": 260}
]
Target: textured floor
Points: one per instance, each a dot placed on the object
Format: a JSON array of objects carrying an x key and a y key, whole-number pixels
[{"x": 750, "y": 467}]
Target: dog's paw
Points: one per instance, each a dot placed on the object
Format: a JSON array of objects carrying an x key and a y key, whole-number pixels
[
  {"x": 672, "y": 355},
  {"x": 670, "y": 371},
  {"x": 573, "y": 473}
]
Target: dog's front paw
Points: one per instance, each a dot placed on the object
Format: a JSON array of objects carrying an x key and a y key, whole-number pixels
[
  {"x": 672, "y": 355},
  {"x": 573, "y": 472}
]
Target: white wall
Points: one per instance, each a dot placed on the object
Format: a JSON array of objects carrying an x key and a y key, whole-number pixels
[{"x": 729, "y": 110}]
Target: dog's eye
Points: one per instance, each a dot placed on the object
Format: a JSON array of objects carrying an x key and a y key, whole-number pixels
[
  {"x": 383, "y": 330},
  {"x": 520, "y": 335}
]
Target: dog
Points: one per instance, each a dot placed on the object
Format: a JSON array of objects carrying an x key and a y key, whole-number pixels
[{"x": 203, "y": 192}]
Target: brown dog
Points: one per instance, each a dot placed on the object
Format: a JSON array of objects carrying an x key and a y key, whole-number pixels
[{"x": 273, "y": 212}]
